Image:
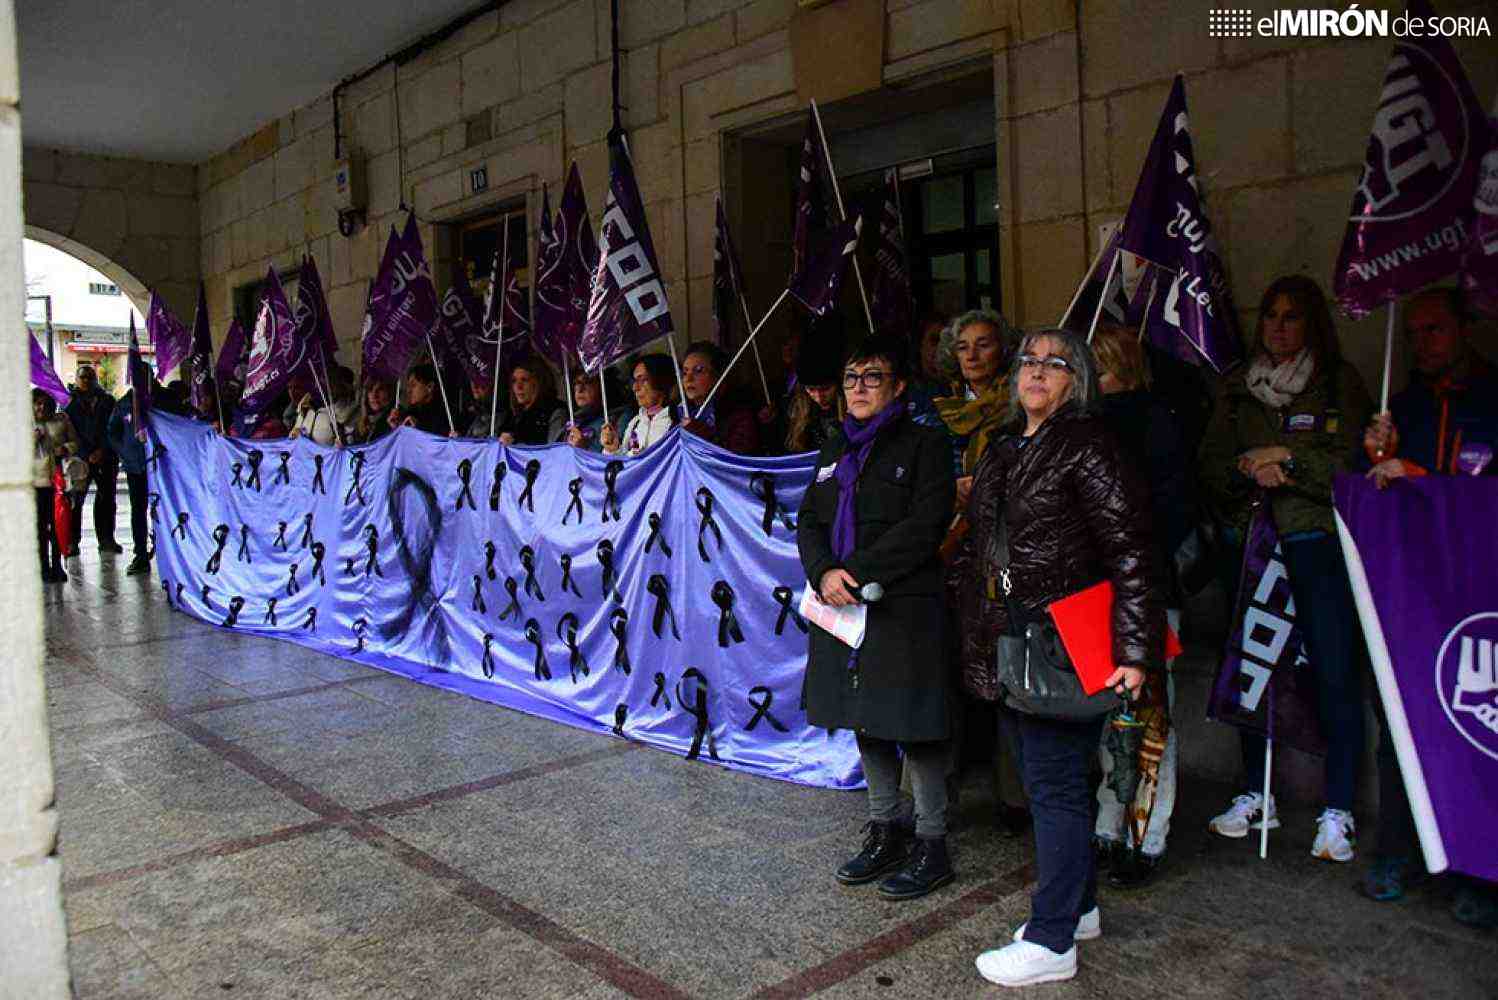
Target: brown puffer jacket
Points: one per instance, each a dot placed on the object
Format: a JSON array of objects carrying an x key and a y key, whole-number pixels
[{"x": 1077, "y": 514}]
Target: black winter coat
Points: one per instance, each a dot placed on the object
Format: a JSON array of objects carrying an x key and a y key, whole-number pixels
[
  {"x": 1077, "y": 514},
  {"x": 900, "y": 688},
  {"x": 90, "y": 413}
]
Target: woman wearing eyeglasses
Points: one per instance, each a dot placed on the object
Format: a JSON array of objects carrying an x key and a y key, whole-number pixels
[
  {"x": 1053, "y": 490},
  {"x": 652, "y": 381},
  {"x": 725, "y": 421},
  {"x": 875, "y": 515}
]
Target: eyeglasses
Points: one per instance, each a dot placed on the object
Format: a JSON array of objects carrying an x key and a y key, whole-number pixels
[
  {"x": 871, "y": 379},
  {"x": 1054, "y": 363},
  {"x": 696, "y": 370}
]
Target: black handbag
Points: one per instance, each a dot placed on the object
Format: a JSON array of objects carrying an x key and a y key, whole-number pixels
[{"x": 1033, "y": 668}]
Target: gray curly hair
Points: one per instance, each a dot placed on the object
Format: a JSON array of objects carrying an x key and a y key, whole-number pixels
[
  {"x": 946, "y": 351},
  {"x": 1078, "y": 354}
]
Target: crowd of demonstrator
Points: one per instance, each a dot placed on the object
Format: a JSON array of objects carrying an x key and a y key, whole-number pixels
[{"x": 963, "y": 456}]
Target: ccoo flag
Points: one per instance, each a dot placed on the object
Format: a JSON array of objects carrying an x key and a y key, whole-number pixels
[
  {"x": 166, "y": 333},
  {"x": 1423, "y": 562},
  {"x": 402, "y": 306},
  {"x": 1413, "y": 202},
  {"x": 44, "y": 377},
  {"x": 628, "y": 308},
  {"x": 728, "y": 279},
  {"x": 811, "y": 201},
  {"x": 816, "y": 286},
  {"x": 892, "y": 306},
  {"x": 1480, "y": 261},
  {"x": 200, "y": 362},
  {"x": 1167, "y": 225},
  {"x": 275, "y": 354},
  {"x": 565, "y": 259}
]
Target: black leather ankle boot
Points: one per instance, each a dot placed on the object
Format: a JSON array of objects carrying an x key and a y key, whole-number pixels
[
  {"x": 884, "y": 848},
  {"x": 928, "y": 869}
]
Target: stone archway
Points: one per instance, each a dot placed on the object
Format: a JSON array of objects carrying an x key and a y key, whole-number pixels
[{"x": 130, "y": 286}]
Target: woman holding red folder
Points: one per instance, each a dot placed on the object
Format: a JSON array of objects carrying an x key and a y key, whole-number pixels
[{"x": 1073, "y": 515}]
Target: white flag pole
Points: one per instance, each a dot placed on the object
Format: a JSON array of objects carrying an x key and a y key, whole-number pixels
[
  {"x": 603, "y": 390},
  {"x": 842, "y": 214},
  {"x": 1383, "y": 396},
  {"x": 1083, "y": 284},
  {"x": 742, "y": 348},
  {"x": 326, "y": 395},
  {"x": 1102, "y": 297},
  {"x": 1264, "y": 811},
  {"x": 567, "y": 378},
  {"x": 497, "y": 286},
  {"x": 1149, "y": 275},
  {"x": 676, "y": 365},
  {"x": 758, "y": 361},
  {"x": 437, "y": 369}
]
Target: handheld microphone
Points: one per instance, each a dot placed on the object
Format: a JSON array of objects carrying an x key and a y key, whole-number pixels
[{"x": 870, "y": 593}]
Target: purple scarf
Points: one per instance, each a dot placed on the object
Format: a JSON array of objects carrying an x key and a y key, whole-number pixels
[{"x": 861, "y": 435}]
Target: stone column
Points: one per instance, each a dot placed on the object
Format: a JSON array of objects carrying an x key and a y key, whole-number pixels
[{"x": 33, "y": 936}]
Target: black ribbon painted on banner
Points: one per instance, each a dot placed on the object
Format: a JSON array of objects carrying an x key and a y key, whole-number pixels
[
  {"x": 238, "y": 469},
  {"x": 535, "y": 638},
  {"x": 243, "y": 555},
  {"x": 166, "y": 588},
  {"x": 489, "y": 553},
  {"x": 527, "y": 497},
  {"x": 372, "y": 545},
  {"x": 220, "y": 539},
  {"x": 236, "y": 605},
  {"x": 415, "y": 554},
  {"x": 618, "y": 624},
  {"x": 356, "y": 473},
  {"x": 783, "y": 597},
  {"x": 318, "y": 551},
  {"x": 565, "y": 561},
  {"x": 567, "y": 632},
  {"x": 658, "y": 586},
  {"x": 477, "y": 604},
  {"x": 654, "y": 520},
  {"x": 574, "y": 487},
  {"x": 291, "y": 585},
  {"x": 611, "y": 490},
  {"x": 204, "y": 592},
  {"x": 270, "y": 611},
  {"x": 255, "y": 457},
  {"x": 154, "y": 499},
  {"x": 487, "y": 666},
  {"x": 605, "y": 553},
  {"x": 528, "y": 563},
  {"x": 660, "y": 695},
  {"x": 318, "y": 486},
  {"x": 306, "y": 530},
  {"x": 311, "y": 623},
  {"x": 348, "y": 565},
  {"x": 283, "y": 471},
  {"x": 157, "y": 455},
  {"x": 621, "y": 715},
  {"x": 465, "y": 492},
  {"x": 762, "y": 709},
  {"x": 360, "y": 626},
  {"x": 728, "y": 622},
  {"x": 280, "y": 542},
  {"x": 495, "y": 487},
  {"x": 705, "y": 503},
  {"x": 179, "y": 594},
  {"x": 698, "y": 710},
  {"x": 762, "y": 485},
  {"x": 180, "y": 531},
  {"x": 513, "y": 608}
]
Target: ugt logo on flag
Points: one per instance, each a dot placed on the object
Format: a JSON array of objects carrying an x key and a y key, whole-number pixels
[{"x": 1467, "y": 680}]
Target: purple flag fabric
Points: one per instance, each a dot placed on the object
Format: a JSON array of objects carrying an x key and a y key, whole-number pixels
[
  {"x": 1414, "y": 200},
  {"x": 1167, "y": 225},
  {"x": 275, "y": 354},
  {"x": 628, "y": 308},
  {"x": 461, "y": 320},
  {"x": 565, "y": 261},
  {"x": 811, "y": 202},
  {"x": 313, "y": 322},
  {"x": 818, "y": 284},
  {"x": 1423, "y": 562},
  {"x": 1103, "y": 284},
  {"x": 402, "y": 307},
  {"x": 166, "y": 333},
  {"x": 232, "y": 356},
  {"x": 44, "y": 377},
  {"x": 200, "y": 361},
  {"x": 1264, "y": 683},
  {"x": 728, "y": 279},
  {"x": 892, "y": 306},
  {"x": 1480, "y": 259},
  {"x": 139, "y": 375}
]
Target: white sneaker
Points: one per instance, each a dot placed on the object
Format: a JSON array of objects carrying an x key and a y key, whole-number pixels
[
  {"x": 1089, "y": 927},
  {"x": 1025, "y": 963},
  {"x": 1244, "y": 814},
  {"x": 1336, "y": 835}
]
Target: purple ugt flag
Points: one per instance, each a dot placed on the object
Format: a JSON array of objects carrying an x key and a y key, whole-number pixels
[
  {"x": 461, "y": 317},
  {"x": 200, "y": 361},
  {"x": 818, "y": 284},
  {"x": 1264, "y": 683},
  {"x": 44, "y": 377},
  {"x": 1480, "y": 260},
  {"x": 565, "y": 261},
  {"x": 1167, "y": 225},
  {"x": 232, "y": 356},
  {"x": 171, "y": 339},
  {"x": 891, "y": 303},
  {"x": 402, "y": 307},
  {"x": 139, "y": 374},
  {"x": 1423, "y": 561},
  {"x": 275, "y": 354},
  {"x": 728, "y": 279},
  {"x": 628, "y": 308},
  {"x": 1102, "y": 295},
  {"x": 811, "y": 201},
  {"x": 1413, "y": 203},
  {"x": 313, "y": 322}
]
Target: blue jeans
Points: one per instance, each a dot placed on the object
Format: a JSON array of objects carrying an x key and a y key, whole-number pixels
[
  {"x": 1328, "y": 620},
  {"x": 1055, "y": 760}
]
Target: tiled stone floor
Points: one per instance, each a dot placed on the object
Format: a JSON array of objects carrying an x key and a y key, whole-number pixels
[{"x": 242, "y": 817}]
